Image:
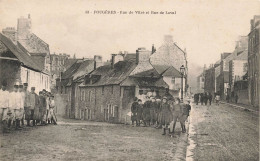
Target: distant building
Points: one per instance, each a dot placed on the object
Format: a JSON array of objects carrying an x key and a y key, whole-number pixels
[
  {"x": 201, "y": 81},
  {"x": 253, "y": 61},
  {"x": 209, "y": 84}
]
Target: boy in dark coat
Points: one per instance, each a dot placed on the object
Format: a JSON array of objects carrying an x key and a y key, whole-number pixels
[
  {"x": 139, "y": 112},
  {"x": 153, "y": 110},
  {"x": 146, "y": 112},
  {"x": 134, "y": 109}
]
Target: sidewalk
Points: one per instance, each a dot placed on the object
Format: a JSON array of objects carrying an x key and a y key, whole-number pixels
[
  {"x": 222, "y": 133},
  {"x": 242, "y": 106}
]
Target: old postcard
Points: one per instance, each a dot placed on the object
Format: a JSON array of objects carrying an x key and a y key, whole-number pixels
[{"x": 129, "y": 80}]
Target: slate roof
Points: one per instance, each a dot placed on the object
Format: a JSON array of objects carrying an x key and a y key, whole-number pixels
[
  {"x": 144, "y": 82},
  {"x": 34, "y": 44},
  {"x": 79, "y": 68},
  {"x": 23, "y": 57},
  {"x": 110, "y": 76},
  {"x": 172, "y": 72}
]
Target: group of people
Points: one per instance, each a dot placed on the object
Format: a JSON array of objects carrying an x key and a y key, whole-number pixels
[
  {"x": 203, "y": 98},
  {"x": 19, "y": 104},
  {"x": 160, "y": 113}
]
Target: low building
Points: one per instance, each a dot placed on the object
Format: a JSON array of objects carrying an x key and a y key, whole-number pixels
[
  {"x": 108, "y": 92},
  {"x": 19, "y": 67},
  {"x": 209, "y": 84}
]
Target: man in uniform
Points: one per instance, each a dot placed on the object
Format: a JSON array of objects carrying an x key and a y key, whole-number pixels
[
  {"x": 42, "y": 107},
  {"x": 146, "y": 111},
  {"x": 153, "y": 110},
  {"x": 52, "y": 114},
  {"x": 27, "y": 104},
  {"x": 168, "y": 95},
  {"x": 33, "y": 103},
  {"x": 4, "y": 108},
  {"x": 15, "y": 105}
]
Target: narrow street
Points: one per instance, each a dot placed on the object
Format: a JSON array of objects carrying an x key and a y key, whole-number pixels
[
  {"x": 81, "y": 140},
  {"x": 223, "y": 133}
]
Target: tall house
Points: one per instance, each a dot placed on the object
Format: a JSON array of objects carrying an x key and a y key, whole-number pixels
[
  {"x": 253, "y": 61},
  {"x": 29, "y": 43}
]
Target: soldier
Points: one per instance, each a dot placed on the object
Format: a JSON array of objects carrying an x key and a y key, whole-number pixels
[
  {"x": 48, "y": 107},
  {"x": 217, "y": 99},
  {"x": 146, "y": 112},
  {"x": 27, "y": 104},
  {"x": 42, "y": 107},
  {"x": 33, "y": 102},
  {"x": 201, "y": 98},
  {"x": 134, "y": 109},
  {"x": 20, "y": 107},
  {"x": 4, "y": 108},
  {"x": 51, "y": 112},
  {"x": 158, "y": 112},
  {"x": 153, "y": 107},
  {"x": 166, "y": 115},
  {"x": 139, "y": 112},
  {"x": 15, "y": 106},
  {"x": 177, "y": 114}
]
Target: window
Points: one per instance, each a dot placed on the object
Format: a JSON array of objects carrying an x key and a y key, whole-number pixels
[
  {"x": 173, "y": 80},
  {"x": 103, "y": 89},
  {"x": 82, "y": 98},
  {"x": 89, "y": 96},
  {"x": 112, "y": 89}
]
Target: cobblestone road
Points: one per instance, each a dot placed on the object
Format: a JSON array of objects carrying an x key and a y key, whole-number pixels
[
  {"x": 81, "y": 140},
  {"x": 223, "y": 133}
]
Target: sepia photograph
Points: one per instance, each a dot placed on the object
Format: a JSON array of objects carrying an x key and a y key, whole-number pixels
[{"x": 129, "y": 80}]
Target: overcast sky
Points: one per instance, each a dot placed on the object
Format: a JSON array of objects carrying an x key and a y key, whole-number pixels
[{"x": 204, "y": 28}]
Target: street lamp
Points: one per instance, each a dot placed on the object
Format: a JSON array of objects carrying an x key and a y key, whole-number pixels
[{"x": 182, "y": 69}]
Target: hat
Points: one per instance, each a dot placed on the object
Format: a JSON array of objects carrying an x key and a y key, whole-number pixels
[
  {"x": 20, "y": 86},
  {"x": 139, "y": 100},
  {"x": 152, "y": 97},
  {"x": 44, "y": 90},
  {"x": 25, "y": 84},
  {"x": 33, "y": 88},
  {"x": 165, "y": 97}
]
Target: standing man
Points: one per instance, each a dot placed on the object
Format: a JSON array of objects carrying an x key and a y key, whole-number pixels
[
  {"x": 27, "y": 104},
  {"x": 153, "y": 109},
  {"x": 201, "y": 98},
  {"x": 4, "y": 108},
  {"x": 42, "y": 107},
  {"x": 206, "y": 98},
  {"x": 33, "y": 102},
  {"x": 134, "y": 109},
  {"x": 168, "y": 95},
  {"x": 15, "y": 106},
  {"x": 158, "y": 113},
  {"x": 236, "y": 98},
  {"x": 146, "y": 112},
  {"x": 139, "y": 112},
  {"x": 52, "y": 114},
  {"x": 210, "y": 98}
]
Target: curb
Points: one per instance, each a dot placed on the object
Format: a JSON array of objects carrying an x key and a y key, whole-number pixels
[{"x": 241, "y": 107}]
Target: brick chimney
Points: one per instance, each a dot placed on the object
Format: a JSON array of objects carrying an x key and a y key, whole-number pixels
[
  {"x": 142, "y": 55},
  {"x": 116, "y": 58},
  {"x": 97, "y": 61},
  {"x": 24, "y": 27},
  {"x": 11, "y": 33}
]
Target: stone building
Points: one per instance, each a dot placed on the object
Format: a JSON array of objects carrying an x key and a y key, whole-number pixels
[
  {"x": 209, "y": 83},
  {"x": 108, "y": 92},
  {"x": 170, "y": 55},
  {"x": 201, "y": 81},
  {"x": 253, "y": 61},
  {"x": 19, "y": 67},
  {"x": 29, "y": 43}
]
